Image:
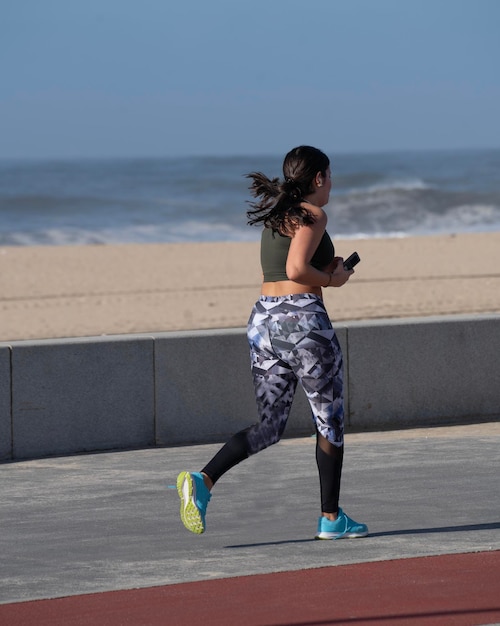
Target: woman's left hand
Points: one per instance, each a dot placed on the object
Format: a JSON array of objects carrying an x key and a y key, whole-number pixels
[{"x": 339, "y": 275}]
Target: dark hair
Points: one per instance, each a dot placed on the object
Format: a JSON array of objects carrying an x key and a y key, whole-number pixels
[{"x": 279, "y": 205}]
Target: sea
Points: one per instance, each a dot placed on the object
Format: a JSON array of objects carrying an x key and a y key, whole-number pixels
[{"x": 202, "y": 199}]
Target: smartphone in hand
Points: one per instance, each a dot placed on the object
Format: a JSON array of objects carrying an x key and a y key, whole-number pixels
[{"x": 351, "y": 261}]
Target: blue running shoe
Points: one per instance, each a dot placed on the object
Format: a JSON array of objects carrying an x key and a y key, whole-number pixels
[
  {"x": 342, "y": 528},
  {"x": 195, "y": 497}
]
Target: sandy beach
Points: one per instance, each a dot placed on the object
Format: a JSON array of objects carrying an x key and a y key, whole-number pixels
[{"x": 76, "y": 291}]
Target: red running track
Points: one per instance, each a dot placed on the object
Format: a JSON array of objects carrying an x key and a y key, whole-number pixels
[{"x": 455, "y": 589}]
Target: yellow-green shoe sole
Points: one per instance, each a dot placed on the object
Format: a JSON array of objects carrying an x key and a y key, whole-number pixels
[{"x": 190, "y": 515}]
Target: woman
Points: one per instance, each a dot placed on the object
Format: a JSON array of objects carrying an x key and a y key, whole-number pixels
[{"x": 291, "y": 338}]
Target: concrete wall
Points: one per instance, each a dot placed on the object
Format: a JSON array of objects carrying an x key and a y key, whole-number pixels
[
  {"x": 76, "y": 395},
  {"x": 423, "y": 371},
  {"x": 5, "y": 404}
]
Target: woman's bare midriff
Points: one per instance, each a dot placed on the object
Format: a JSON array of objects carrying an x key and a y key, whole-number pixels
[{"x": 287, "y": 288}]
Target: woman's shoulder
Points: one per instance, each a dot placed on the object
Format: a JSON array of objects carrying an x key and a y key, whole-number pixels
[{"x": 320, "y": 217}]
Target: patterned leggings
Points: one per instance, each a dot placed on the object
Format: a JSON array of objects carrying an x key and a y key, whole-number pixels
[{"x": 292, "y": 340}]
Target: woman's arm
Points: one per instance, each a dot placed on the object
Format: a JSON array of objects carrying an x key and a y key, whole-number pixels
[{"x": 303, "y": 245}]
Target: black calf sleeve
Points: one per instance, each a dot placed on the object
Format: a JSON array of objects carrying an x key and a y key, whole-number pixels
[
  {"x": 329, "y": 459},
  {"x": 232, "y": 453}
]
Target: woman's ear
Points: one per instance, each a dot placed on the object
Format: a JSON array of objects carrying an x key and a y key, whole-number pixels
[{"x": 319, "y": 179}]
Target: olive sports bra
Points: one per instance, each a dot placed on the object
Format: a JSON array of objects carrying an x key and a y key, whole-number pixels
[{"x": 274, "y": 252}]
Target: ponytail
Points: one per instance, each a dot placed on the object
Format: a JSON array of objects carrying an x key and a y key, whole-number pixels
[{"x": 279, "y": 205}]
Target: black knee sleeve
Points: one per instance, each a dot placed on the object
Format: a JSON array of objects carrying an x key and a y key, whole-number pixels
[
  {"x": 232, "y": 453},
  {"x": 330, "y": 472}
]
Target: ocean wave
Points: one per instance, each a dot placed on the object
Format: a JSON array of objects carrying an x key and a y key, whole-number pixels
[
  {"x": 418, "y": 210},
  {"x": 181, "y": 232},
  {"x": 383, "y": 186},
  {"x": 399, "y": 185},
  {"x": 205, "y": 199}
]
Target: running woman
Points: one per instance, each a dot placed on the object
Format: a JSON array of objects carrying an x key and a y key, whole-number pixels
[{"x": 291, "y": 339}]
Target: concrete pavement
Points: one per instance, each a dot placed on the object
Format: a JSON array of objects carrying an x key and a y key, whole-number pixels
[{"x": 109, "y": 521}]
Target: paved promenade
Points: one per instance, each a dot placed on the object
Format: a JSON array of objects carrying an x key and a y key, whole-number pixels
[{"x": 109, "y": 522}]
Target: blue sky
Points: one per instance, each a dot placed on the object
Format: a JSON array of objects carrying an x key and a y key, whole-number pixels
[{"x": 83, "y": 78}]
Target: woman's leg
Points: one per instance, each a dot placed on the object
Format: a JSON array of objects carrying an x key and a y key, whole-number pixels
[
  {"x": 329, "y": 460},
  {"x": 274, "y": 385},
  {"x": 274, "y": 395},
  {"x": 316, "y": 359},
  {"x": 232, "y": 453}
]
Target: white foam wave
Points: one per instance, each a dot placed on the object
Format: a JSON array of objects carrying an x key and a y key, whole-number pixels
[
  {"x": 411, "y": 184},
  {"x": 347, "y": 221},
  {"x": 191, "y": 231}
]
